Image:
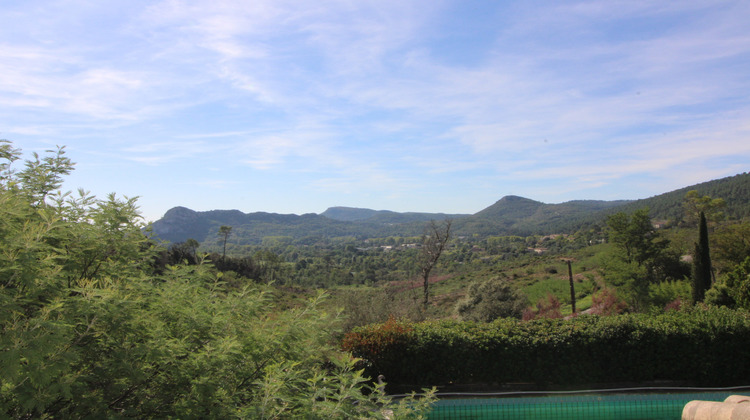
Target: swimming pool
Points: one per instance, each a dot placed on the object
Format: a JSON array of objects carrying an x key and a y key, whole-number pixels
[{"x": 621, "y": 404}]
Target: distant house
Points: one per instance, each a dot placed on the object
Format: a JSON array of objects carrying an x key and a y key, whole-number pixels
[{"x": 659, "y": 224}]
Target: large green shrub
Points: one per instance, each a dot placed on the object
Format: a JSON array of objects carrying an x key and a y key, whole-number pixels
[
  {"x": 491, "y": 299},
  {"x": 706, "y": 346}
]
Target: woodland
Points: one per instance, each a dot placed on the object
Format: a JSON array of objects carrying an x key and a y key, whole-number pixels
[
  {"x": 226, "y": 315},
  {"x": 638, "y": 254}
]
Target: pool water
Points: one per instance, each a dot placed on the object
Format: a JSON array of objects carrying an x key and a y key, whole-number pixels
[{"x": 629, "y": 406}]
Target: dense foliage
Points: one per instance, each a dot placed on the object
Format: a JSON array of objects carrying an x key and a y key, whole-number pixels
[
  {"x": 491, "y": 299},
  {"x": 700, "y": 346},
  {"x": 94, "y": 323},
  {"x": 641, "y": 258},
  {"x": 734, "y": 190}
]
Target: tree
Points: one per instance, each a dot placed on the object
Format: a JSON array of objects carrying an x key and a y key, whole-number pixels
[
  {"x": 738, "y": 284},
  {"x": 44, "y": 175},
  {"x": 8, "y": 155},
  {"x": 695, "y": 204},
  {"x": 434, "y": 239},
  {"x": 635, "y": 235},
  {"x": 491, "y": 299},
  {"x": 730, "y": 245},
  {"x": 642, "y": 257},
  {"x": 701, "y": 262},
  {"x": 224, "y": 232},
  {"x": 192, "y": 245},
  {"x": 572, "y": 285},
  {"x": 184, "y": 252},
  {"x": 269, "y": 265}
]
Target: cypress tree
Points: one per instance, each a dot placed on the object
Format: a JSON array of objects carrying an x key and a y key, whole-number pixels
[{"x": 701, "y": 262}]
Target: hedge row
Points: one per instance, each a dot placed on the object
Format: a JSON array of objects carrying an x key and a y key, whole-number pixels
[{"x": 701, "y": 346}]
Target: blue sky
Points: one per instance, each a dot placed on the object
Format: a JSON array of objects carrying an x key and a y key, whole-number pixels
[{"x": 433, "y": 106}]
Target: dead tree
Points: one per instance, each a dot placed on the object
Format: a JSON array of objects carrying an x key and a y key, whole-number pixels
[{"x": 434, "y": 239}]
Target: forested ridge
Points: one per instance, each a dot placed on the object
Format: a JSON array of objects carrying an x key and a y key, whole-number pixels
[{"x": 512, "y": 215}]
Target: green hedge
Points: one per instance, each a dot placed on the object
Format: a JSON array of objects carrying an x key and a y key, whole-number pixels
[{"x": 701, "y": 346}]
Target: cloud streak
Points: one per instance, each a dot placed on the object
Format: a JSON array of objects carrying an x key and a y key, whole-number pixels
[{"x": 562, "y": 99}]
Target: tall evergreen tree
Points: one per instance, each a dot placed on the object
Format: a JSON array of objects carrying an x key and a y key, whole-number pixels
[
  {"x": 224, "y": 232},
  {"x": 701, "y": 262}
]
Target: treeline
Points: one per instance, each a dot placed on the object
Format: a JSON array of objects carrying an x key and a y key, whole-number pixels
[
  {"x": 376, "y": 261},
  {"x": 734, "y": 190}
]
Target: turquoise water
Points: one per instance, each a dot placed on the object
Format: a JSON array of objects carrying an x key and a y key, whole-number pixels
[{"x": 645, "y": 406}]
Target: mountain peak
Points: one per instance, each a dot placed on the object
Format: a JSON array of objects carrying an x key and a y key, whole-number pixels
[
  {"x": 517, "y": 199},
  {"x": 178, "y": 223},
  {"x": 348, "y": 214},
  {"x": 179, "y": 211},
  {"x": 511, "y": 206}
]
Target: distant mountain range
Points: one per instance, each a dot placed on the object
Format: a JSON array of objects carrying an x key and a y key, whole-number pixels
[
  {"x": 510, "y": 215},
  {"x": 353, "y": 214}
]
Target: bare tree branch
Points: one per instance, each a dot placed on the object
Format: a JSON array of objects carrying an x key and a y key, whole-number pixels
[{"x": 434, "y": 240}]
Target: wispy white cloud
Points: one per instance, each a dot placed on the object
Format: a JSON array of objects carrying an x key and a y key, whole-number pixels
[
  {"x": 166, "y": 152},
  {"x": 346, "y": 96}
]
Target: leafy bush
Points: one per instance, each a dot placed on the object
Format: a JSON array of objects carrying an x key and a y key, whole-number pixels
[
  {"x": 548, "y": 307},
  {"x": 738, "y": 282},
  {"x": 701, "y": 345},
  {"x": 666, "y": 292},
  {"x": 606, "y": 302},
  {"x": 491, "y": 299}
]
